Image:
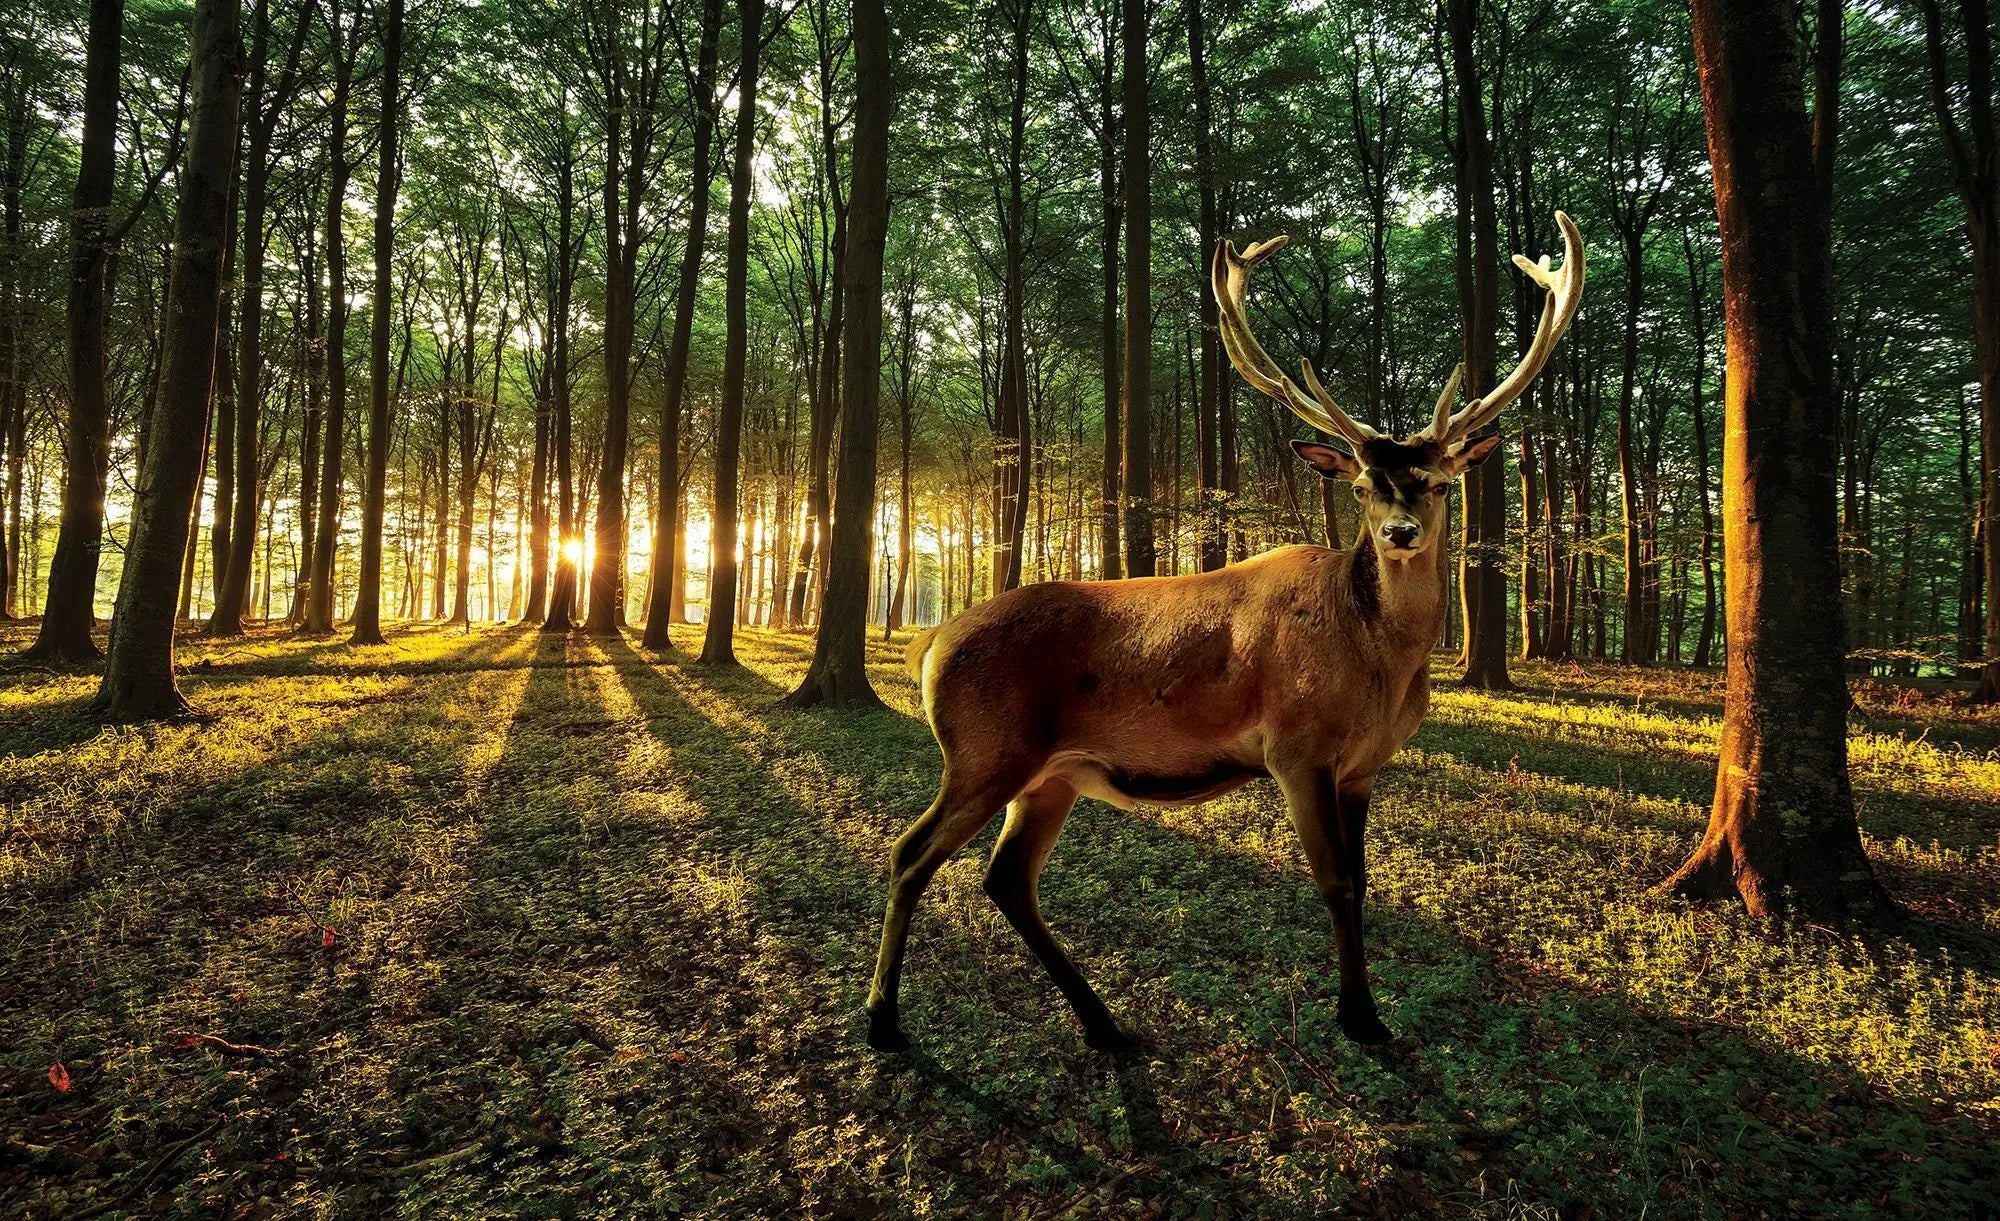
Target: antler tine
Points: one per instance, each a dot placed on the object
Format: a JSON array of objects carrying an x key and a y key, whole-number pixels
[
  {"x": 1441, "y": 415},
  {"x": 1230, "y": 278},
  {"x": 1565, "y": 293}
]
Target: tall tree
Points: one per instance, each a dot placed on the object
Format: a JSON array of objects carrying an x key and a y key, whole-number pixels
[
  {"x": 1138, "y": 377},
  {"x": 838, "y": 675},
  {"x": 265, "y": 102},
  {"x": 667, "y": 524},
  {"x": 1973, "y": 146},
  {"x": 1212, "y": 543},
  {"x": 1482, "y": 587},
  {"x": 139, "y": 678},
  {"x": 367, "y": 618},
  {"x": 1782, "y": 831},
  {"x": 719, "y": 640},
  {"x": 68, "y": 615},
  {"x": 342, "y": 48}
]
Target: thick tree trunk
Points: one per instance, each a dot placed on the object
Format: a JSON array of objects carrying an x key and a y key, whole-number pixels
[
  {"x": 838, "y": 675},
  {"x": 367, "y": 617},
  {"x": 139, "y": 678},
  {"x": 719, "y": 639},
  {"x": 1782, "y": 832},
  {"x": 1138, "y": 379},
  {"x": 69, "y": 614}
]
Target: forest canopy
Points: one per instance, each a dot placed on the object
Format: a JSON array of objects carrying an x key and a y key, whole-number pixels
[{"x": 546, "y": 306}]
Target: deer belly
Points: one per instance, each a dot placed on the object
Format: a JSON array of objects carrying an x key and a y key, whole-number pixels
[{"x": 1126, "y": 787}]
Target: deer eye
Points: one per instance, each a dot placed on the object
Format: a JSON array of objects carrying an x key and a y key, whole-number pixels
[
  {"x": 1360, "y": 493},
  {"x": 1440, "y": 489}
]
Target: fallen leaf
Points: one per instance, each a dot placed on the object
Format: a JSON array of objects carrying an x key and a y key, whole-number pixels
[{"x": 59, "y": 1077}]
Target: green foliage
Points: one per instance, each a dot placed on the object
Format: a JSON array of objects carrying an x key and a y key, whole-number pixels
[{"x": 601, "y": 925}]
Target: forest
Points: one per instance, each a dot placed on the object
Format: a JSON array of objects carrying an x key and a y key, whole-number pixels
[{"x": 471, "y": 473}]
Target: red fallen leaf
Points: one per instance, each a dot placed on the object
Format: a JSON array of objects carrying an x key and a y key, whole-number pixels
[
  {"x": 59, "y": 1077},
  {"x": 284, "y": 1157},
  {"x": 326, "y": 938},
  {"x": 678, "y": 1057}
]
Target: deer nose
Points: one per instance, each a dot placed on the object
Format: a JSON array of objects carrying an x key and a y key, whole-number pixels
[{"x": 1400, "y": 534}]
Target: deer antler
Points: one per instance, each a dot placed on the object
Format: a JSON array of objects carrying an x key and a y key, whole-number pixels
[
  {"x": 1231, "y": 277},
  {"x": 1565, "y": 289}
]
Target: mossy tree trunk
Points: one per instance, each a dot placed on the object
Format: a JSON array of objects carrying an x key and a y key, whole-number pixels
[{"x": 1782, "y": 832}]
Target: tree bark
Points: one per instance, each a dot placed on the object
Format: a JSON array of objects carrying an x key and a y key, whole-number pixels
[
  {"x": 1977, "y": 173},
  {"x": 1138, "y": 380},
  {"x": 1483, "y": 592},
  {"x": 838, "y": 675},
  {"x": 667, "y": 557},
  {"x": 319, "y": 595},
  {"x": 1782, "y": 831},
  {"x": 266, "y": 103},
  {"x": 719, "y": 638},
  {"x": 367, "y": 617},
  {"x": 69, "y": 614},
  {"x": 139, "y": 678},
  {"x": 1213, "y": 541}
]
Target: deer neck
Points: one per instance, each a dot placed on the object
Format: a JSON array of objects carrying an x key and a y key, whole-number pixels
[{"x": 1401, "y": 600}]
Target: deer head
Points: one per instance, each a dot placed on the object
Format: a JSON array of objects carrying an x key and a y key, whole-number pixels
[{"x": 1400, "y": 484}]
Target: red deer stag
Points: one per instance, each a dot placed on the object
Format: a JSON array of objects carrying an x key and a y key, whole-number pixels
[{"x": 1304, "y": 664}]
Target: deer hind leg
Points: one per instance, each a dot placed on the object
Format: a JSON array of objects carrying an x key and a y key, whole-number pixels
[
  {"x": 1034, "y": 821},
  {"x": 1331, "y": 823},
  {"x": 958, "y": 814}
]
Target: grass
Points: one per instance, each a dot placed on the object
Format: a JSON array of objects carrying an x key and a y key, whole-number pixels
[{"x": 496, "y": 923}]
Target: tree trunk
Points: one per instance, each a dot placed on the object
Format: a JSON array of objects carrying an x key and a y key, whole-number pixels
[
  {"x": 1704, "y": 644},
  {"x": 1782, "y": 832},
  {"x": 367, "y": 617},
  {"x": 1483, "y": 592},
  {"x": 562, "y": 599},
  {"x": 1138, "y": 379},
  {"x": 1978, "y": 179},
  {"x": 1214, "y": 543},
  {"x": 719, "y": 639},
  {"x": 1111, "y": 559},
  {"x": 319, "y": 588},
  {"x": 69, "y": 613},
  {"x": 139, "y": 679},
  {"x": 667, "y": 557},
  {"x": 265, "y": 105},
  {"x": 838, "y": 675}
]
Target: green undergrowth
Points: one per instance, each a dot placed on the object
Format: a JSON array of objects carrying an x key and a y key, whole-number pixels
[{"x": 498, "y": 923}]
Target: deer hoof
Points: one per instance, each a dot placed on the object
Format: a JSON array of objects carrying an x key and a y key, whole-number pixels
[{"x": 1363, "y": 1026}]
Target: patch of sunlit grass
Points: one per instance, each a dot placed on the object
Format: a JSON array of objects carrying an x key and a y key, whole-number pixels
[{"x": 528, "y": 923}]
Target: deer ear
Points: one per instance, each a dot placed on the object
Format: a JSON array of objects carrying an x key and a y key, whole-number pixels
[
  {"x": 1469, "y": 454},
  {"x": 1331, "y": 463}
]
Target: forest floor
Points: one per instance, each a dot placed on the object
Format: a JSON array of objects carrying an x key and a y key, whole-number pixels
[{"x": 506, "y": 924}]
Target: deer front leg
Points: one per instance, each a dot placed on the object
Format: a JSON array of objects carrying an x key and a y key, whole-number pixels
[{"x": 1331, "y": 822}]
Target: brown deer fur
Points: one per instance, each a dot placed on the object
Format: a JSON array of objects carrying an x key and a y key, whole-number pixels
[{"x": 1306, "y": 665}]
